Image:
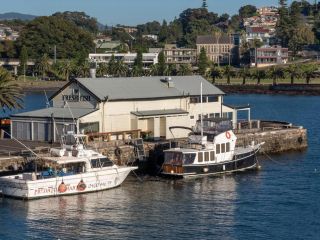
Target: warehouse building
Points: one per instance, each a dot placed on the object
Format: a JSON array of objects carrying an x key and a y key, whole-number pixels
[{"x": 121, "y": 106}]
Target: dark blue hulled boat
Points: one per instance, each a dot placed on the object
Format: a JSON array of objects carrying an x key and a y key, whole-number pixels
[{"x": 212, "y": 152}]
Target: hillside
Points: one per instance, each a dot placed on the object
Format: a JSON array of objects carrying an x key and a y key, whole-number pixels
[{"x": 14, "y": 15}]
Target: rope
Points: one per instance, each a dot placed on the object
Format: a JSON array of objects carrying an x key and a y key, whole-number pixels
[{"x": 270, "y": 158}]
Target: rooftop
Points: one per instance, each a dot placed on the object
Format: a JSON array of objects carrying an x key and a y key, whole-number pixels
[
  {"x": 130, "y": 88},
  {"x": 64, "y": 113}
]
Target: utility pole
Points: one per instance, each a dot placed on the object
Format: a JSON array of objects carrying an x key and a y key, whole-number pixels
[{"x": 55, "y": 53}]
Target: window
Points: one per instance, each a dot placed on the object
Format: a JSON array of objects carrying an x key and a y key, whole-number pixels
[
  {"x": 200, "y": 157},
  {"x": 206, "y": 156},
  {"x": 204, "y": 99},
  {"x": 194, "y": 99},
  {"x": 213, "y": 98},
  {"x": 212, "y": 155},
  {"x": 223, "y": 148},
  {"x": 95, "y": 163},
  {"x": 101, "y": 162},
  {"x": 228, "y": 147},
  {"x": 191, "y": 117},
  {"x": 218, "y": 149},
  {"x": 189, "y": 158}
]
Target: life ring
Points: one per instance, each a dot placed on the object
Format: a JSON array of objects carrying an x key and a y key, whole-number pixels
[
  {"x": 117, "y": 152},
  {"x": 228, "y": 135}
]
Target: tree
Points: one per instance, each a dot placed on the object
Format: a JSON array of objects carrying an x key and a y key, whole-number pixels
[
  {"x": 23, "y": 59},
  {"x": 154, "y": 70},
  {"x": 244, "y": 73},
  {"x": 80, "y": 19},
  {"x": 204, "y": 4},
  {"x": 120, "y": 69},
  {"x": 138, "y": 64},
  {"x": 64, "y": 68},
  {"x": 308, "y": 71},
  {"x": 10, "y": 92},
  {"x": 276, "y": 73},
  {"x": 228, "y": 72},
  {"x": 163, "y": 34},
  {"x": 112, "y": 65},
  {"x": 43, "y": 33},
  {"x": 283, "y": 28},
  {"x": 161, "y": 63},
  {"x": 247, "y": 11},
  {"x": 301, "y": 35},
  {"x": 202, "y": 62},
  {"x": 215, "y": 72},
  {"x": 294, "y": 71},
  {"x": 258, "y": 74},
  {"x": 184, "y": 70},
  {"x": 102, "y": 70},
  {"x": 43, "y": 65}
]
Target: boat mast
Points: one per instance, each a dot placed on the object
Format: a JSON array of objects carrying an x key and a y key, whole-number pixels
[{"x": 201, "y": 115}]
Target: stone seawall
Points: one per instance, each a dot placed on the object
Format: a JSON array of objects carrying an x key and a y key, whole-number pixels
[{"x": 276, "y": 141}]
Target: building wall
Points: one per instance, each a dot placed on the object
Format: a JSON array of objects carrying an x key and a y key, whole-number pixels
[{"x": 76, "y": 98}]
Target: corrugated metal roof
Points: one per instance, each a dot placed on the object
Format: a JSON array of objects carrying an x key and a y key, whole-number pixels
[
  {"x": 147, "y": 87},
  {"x": 57, "y": 113},
  {"x": 159, "y": 112}
]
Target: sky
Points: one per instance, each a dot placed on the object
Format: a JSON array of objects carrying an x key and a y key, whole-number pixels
[{"x": 128, "y": 12}]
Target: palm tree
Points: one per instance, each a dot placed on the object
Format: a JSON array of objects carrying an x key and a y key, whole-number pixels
[
  {"x": 259, "y": 74},
  {"x": 43, "y": 65},
  {"x": 120, "y": 69},
  {"x": 244, "y": 73},
  {"x": 154, "y": 70},
  {"x": 10, "y": 92},
  {"x": 184, "y": 70},
  {"x": 215, "y": 72},
  {"x": 294, "y": 72},
  {"x": 84, "y": 69},
  {"x": 64, "y": 68},
  {"x": 135, "y": 71},
  {"x": 228, "y": 72},
  {"x": 276, "y": 73},
  {"x": 102, "y": 70},
  {"x": 308, "y": 72}
]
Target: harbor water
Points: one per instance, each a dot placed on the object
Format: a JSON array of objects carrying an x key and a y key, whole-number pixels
[{"x": 281, "y": 201}]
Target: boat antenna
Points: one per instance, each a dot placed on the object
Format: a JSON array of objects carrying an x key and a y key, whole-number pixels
[
  {"x": 22, "y": 144},
  {"x": 47, "y": 100},
  {"x": 74, "y": 121},
  {"x": 201, "y": 115}
]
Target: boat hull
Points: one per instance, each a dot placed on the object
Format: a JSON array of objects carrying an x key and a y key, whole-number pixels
[
  {"x": 93, "y": 181},
  {"x": 235, "y": 165}
]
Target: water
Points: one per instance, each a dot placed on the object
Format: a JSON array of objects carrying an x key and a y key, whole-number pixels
[
  {"x": 32, "y": 101},
  {"x": 279, "y": 202}
]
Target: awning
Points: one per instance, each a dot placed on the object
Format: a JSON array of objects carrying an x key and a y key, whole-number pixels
[{"x": 160, "y": 112}]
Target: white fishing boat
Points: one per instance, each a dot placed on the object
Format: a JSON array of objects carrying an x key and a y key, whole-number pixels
[{"x": 72, "y": 169}]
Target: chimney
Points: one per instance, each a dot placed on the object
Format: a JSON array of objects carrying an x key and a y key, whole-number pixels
[
  {"x": 169, "y": 82},
  {"x": 93, "y": 72}
]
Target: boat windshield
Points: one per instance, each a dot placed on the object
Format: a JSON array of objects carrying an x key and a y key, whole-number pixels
[
  {"x": 177, "y": 158},
  {"x": 101, "y": 162}
]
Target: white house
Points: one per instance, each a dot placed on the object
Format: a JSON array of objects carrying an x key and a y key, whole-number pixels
[
  {"x": 113, "y": 105},
  {"x": 148, "y": 59}
]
